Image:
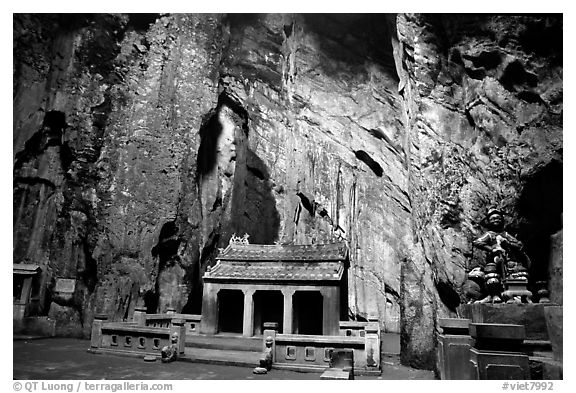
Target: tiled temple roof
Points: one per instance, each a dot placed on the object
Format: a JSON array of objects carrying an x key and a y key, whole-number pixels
[
  {"x": 260, "y": 252},
  {"x": 255, "y": 262},
  {"x": 25, "y": 268},
  {"x": 277, "y": 271}
]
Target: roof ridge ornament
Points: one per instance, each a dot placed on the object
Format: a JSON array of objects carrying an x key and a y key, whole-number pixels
[{"x": 239, "y": 240}]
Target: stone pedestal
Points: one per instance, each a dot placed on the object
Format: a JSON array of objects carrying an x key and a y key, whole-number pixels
[
  {"x": 497, "y": 352},
  {"x": 372, "y": 345},
  {"x": 531, "y": 316},
  {"x": 454, "y": 348},
  {"x": 516, "y": 291}
]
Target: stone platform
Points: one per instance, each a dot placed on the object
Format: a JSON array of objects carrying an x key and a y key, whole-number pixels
[
  {"x": 538, "y": 344},
  {"x": 530, "y": 315}
]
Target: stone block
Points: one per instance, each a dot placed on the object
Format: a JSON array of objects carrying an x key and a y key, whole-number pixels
[
  {"x": 552, "y": 369},
  {"x": 68, "y": 320},
  {"x": 343, "y": 359},
  {"x": 455, "y": 326},
  {"x": 495, "y": 365},
  {"x": 554, "y": 319},
  {"x": 556, "y": 269},
  {"x": 529, "y": 315},
  {"x": 454, "y": 348},
  {"x": 498, "y": 337},
  {"x": 336, "y": 373},
  {"x": 271, "y": 326}
]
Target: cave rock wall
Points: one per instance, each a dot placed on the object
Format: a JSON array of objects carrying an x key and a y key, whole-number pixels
[{"x": 142, "y": 143}]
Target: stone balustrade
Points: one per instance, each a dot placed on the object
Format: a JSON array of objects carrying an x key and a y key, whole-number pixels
[
  {"x": 191, "y": 321},
  {"x": 133, "y": 338},
  {"x": 311, "y": 353},
  {"x": 353, "y": 328}
]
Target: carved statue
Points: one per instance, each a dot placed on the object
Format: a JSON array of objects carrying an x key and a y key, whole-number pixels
[
  {"x": 170, "y": 352},
  {"x": 506, "y": 264},
  {"x": 266, "y": 358}
]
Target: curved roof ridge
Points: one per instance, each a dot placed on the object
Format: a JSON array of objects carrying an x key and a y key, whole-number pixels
[{"x": 278, "y": 252}]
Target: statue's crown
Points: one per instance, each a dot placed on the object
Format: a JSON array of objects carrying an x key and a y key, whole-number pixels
[{"x": 492, "y": 211}]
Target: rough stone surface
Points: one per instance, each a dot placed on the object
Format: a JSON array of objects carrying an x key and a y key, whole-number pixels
[
  {"x": 556, "y": 268},
  {"x": 143, "y": 142}
]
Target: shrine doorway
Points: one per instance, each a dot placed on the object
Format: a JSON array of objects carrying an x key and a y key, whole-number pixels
[
  {"x": 308, "y": 312},
  {"x": 268, "y": 307},
  {"x": 230, "y": 310}
]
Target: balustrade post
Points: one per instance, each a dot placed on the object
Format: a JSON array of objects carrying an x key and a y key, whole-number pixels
[
  {"x": 139, "y": 316},
  {"x": 177, "y": 326},
  {"x": 96, "y": 335}
]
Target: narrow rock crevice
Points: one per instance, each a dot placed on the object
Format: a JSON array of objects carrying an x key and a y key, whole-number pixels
[{"x": 372, "y": 164}]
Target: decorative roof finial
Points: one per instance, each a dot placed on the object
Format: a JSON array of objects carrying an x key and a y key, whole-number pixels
[{"x": 239, "y": 240}]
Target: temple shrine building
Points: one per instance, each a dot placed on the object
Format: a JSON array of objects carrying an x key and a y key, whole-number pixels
[{"x": 303, "y": 288}]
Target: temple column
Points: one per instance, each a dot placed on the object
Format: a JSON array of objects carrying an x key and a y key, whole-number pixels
[
  {"x": 288, "y": 320},
  {"x": 248, "y": 323},
  {"x": 209, "y": 321},
  {"x": 330, "y": 311}
]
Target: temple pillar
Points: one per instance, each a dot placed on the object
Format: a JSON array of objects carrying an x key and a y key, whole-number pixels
[
  {"x": 330, "y": 311},
  {"x": 209, "y": 321},
  {"x": 288, "y": 320},
  {"x": 248, "y": 323}
]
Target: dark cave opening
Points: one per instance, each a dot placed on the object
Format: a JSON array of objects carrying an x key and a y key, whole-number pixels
[
  {"x": 447, "y": 294},
  {"x": 142, "y": 21},
  {"x": 151, "y": 300},
  {"x": 353, "y": 39},
  {"x": 540, "y": 207},
  {"x": 372, "y": 164},
  {"x": 53, "y": 126},
  {"x": 516, "y": 77},
  {"x": 168, "y": 242},
  {"x": 209, "y": 132}
]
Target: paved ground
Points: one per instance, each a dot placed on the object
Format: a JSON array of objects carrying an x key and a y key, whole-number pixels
[{"x": 64, "y": 358}]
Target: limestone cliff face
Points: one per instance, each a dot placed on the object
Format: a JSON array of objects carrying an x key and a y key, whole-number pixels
[
  {"x": 143, "y": 142},
  {"x": 484, "y": 101}
]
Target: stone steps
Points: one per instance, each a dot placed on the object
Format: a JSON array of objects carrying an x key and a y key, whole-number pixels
[
  {"x": 226, "y": 357},
  {"x": 540, "y": 348},
  {"x": 225, "y": 342}
]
